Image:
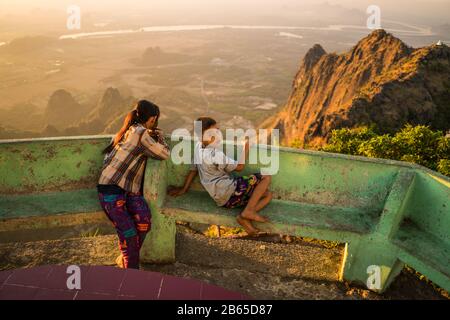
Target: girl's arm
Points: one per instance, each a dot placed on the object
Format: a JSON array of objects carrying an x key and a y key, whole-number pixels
[
  {"x": 155, "y": 147},
  {"x": 176, "y": 192}
]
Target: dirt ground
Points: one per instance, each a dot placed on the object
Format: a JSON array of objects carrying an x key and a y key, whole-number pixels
[{"x": 262, "y": 270}]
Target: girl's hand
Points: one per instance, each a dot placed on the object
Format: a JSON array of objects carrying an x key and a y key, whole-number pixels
[
  {"x": 157, "y": 134},
  {"x": 176, "y": 191}
]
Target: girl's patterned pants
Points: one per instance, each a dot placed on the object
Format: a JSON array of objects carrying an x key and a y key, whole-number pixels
[{"x": 131, "y": 216}]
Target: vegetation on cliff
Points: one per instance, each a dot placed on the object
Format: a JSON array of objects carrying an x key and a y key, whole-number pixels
[{"x": 415, "y": 144}]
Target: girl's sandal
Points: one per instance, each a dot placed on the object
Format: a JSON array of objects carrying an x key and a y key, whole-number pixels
[{"x": 119, "y": 262}]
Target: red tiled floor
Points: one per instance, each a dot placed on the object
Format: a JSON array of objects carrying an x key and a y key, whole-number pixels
[
  {"x": 51, "y": 294},
  {"x": 94, "y": 296},
  {"x": 143, "y": 285},
  {"x": 106, "y": 280},
  {"x": 12, "y": 292},
  {"x": 122, "y": 297},
  {"x": 105, "y": 283},
  {"x": 174, "y": 288},
  {"x": 211, "y": 292},
  {"x": 4, "y": 275},
  {"x": 29, "y": 277}
]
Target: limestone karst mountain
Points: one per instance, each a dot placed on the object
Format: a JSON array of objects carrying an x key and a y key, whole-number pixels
[
  {"x": 110, "y": 107},
  {"x": 63, "y": 110},
  {"x": 380, "y": 81},
  {"x": 66, "y": 116}
]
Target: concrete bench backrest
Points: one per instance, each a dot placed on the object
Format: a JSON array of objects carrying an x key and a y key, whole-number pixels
[{"x": 43, "y": 165}]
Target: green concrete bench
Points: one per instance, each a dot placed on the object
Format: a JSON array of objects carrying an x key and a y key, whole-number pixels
[
  {"x": 387, "y": 213},
  {"x": 49, "y": 203}
]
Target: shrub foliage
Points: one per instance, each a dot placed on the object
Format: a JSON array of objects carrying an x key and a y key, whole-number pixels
[{"x": 416, "y": 144}]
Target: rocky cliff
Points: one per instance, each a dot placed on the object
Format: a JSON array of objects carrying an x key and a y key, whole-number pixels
[{"x": 380, "y": 81}]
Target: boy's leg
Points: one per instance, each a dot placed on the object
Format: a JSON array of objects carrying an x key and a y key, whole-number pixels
[
  {"x": 138, "y": 208},
  {"x": 247, "y": 225},
  {"x": 250, "y": 211},
  {"x": 264, "y": 201},
  {"x": 115, "y": 208}
]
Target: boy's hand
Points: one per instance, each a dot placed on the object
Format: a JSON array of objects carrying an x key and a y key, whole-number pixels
[{"x": 176, "y": 191}]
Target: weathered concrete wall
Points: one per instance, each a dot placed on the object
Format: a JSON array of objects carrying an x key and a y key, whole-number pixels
[{"x": 42, "y": 165}]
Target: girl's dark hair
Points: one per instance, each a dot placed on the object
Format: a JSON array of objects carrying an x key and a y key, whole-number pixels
[
  {"x": 142, "y": 112},
  {"x": 207, "y": 123}
]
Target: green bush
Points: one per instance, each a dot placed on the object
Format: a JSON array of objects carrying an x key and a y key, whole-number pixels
[
  {"x": 348, "y": 141},
  {"x": 418, "y": 144},
  {"x": 444, "y": 167}
]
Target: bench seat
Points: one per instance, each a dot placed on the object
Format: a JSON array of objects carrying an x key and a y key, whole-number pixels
[
  {"x": 49, "y": 203},
  {"x": 424, "y": 251},
  {"x": 287, "y": 217}
]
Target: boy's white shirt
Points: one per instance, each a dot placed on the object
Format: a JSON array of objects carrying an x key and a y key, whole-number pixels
[{"x": 214, "y": 168}]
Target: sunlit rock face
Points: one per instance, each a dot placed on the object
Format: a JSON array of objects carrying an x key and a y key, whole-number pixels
[{"x": 380, "y": 81}]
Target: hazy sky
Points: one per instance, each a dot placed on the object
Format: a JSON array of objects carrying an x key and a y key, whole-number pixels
[{"x": 437, "y": 10}]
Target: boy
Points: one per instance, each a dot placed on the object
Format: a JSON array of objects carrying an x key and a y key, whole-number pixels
[{"x": 215, "y": 168}]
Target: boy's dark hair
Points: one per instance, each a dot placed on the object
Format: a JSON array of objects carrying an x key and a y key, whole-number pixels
[
  {"x": 207, "y": 123},
  {"x": 143, "y": 111}
]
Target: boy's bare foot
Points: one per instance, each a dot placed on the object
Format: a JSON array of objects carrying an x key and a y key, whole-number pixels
[
  {"x": 247, "y": 225},
  {"x": 253, "y": 215}
]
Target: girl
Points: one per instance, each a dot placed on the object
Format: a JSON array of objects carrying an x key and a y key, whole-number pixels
[
  {"x": 120, "y": 187},
  {"x": 215, "y": 168}
]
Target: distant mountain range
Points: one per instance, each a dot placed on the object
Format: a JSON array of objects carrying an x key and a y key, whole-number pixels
[
  {"x": 65, "y": 116},
  {"x": 380, "y": 81}
]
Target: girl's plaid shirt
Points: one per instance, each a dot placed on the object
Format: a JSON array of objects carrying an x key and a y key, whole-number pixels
[{"x": 124, "y": 166}]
